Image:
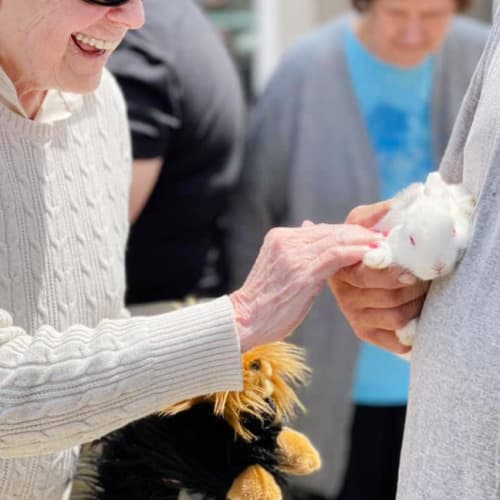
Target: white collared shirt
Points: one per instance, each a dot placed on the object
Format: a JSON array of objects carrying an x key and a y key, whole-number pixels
[{"x": 56, "y": 106}]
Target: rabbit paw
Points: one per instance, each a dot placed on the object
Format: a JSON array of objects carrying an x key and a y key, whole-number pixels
[
  {"x": 406, "y": 335},
  {"x": 378, "y": 258}
]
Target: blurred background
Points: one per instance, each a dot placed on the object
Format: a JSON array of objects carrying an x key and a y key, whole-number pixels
[{"x": 258, "y": 31}]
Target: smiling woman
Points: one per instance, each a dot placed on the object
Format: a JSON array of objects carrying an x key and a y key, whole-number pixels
[
  {"x": 52, "y": 44},
  {"x": 73, "y": 364}
]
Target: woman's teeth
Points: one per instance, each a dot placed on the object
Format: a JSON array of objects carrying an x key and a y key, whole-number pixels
[{"x": 93, "y": 42}]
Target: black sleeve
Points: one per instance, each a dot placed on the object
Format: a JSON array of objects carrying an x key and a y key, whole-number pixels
[{"x": 149, "y": 89}]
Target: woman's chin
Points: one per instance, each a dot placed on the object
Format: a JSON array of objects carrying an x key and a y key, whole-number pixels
[{"x": 84, "y": 84}]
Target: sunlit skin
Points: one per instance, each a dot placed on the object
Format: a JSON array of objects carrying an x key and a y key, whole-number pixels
[
  {"x": 405, "y": 32},
  {"x": 39, "y": 51}
]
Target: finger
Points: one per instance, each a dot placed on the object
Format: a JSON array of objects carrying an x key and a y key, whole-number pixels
[
  {"x": 385, "y": 339},
  {"x": 307, "y": 223},
  {"x": 389, "y": 319},
  {"x": 362, "y": 276},
  {"x": 349, "y": 234},
  {"x": 336, "y": 257},
  {"x": 323, "y": 240},
  {"x": 378, "y": 298},
  {"x": 368, "y": 215}
]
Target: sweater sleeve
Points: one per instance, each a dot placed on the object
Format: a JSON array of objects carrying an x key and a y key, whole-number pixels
[{"x": 61, "y": 389}]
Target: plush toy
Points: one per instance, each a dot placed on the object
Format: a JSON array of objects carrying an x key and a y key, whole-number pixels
[
  {"x": 428, "y": 228},
  {"x": 230, "y": 445}
]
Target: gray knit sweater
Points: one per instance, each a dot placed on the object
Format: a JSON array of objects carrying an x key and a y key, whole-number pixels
[
  {"x": 452, "y": 439},
  {"x": 73, "y": 366}
]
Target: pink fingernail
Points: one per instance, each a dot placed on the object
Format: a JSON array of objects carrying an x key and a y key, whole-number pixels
[{"x": 374, "y": 245}]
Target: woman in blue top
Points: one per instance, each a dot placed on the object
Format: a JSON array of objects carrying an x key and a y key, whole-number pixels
[{"x": 356, "y": 111}]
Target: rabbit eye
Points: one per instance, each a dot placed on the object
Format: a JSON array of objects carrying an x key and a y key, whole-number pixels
[{"x": 412, "y": 241}]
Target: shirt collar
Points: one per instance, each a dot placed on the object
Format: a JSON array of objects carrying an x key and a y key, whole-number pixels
[{"x": 56, "y": 106}]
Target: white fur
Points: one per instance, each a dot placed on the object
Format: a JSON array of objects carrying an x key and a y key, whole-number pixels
[{"x": 429, "y": 227}]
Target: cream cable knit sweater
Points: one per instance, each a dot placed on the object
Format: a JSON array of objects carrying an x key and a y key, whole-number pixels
[{"x": 70, "y": 369}]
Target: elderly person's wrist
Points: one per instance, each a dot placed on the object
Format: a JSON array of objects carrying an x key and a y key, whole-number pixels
[{"x": 243, "y": 321}]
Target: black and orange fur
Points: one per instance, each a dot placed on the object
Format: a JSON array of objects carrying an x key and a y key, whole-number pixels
[{"x": 223, "y": 446}]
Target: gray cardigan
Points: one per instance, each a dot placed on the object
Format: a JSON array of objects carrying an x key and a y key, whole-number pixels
[
  {"x": 308, "y": 156},
  {"x": 451, "y": 447}
]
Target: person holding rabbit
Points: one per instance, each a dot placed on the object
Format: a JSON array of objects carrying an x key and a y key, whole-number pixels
[{"x": 356, "y": 111}]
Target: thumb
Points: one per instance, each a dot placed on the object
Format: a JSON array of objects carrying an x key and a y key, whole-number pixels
[
  {"x": 337, "y": 258},
  {"x": 368, "y": 215}
]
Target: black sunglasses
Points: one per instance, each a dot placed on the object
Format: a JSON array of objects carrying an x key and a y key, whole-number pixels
[{"x": 107, "y": 3}]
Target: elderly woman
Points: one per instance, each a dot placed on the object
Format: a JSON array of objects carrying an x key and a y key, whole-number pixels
[
  {"x": 73, "y": 365},
  {"x": 357, "y": 110}
]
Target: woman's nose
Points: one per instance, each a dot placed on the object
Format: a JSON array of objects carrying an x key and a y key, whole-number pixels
[
  {"x": 130, "y": 14},
  {"x": 413, "y": 32}
]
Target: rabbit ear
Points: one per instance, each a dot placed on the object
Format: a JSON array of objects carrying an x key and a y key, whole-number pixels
[
  {"x": 408, "y": 196},
  {"x": 434, "y": 185}
]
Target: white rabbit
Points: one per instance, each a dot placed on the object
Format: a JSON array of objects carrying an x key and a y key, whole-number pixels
[{"x": 428, "y": 228}]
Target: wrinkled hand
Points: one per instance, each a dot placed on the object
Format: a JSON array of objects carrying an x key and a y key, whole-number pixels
[
  {"x": 290, "y": 271},
  {"x": 377, "y": 302}
]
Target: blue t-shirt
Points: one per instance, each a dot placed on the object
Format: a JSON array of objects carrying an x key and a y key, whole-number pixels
[{"x": 396, "y": 106}]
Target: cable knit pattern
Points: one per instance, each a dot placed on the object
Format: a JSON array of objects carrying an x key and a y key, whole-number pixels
[{"x": 73, "y": 365}]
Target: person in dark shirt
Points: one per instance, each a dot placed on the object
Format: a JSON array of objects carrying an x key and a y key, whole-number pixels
[{"x": 186, "y": 115}]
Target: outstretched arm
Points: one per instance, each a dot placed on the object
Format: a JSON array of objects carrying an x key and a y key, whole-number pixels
[
  {"x": 59, "y": 389},
  {"x": 290, "y": 271}
]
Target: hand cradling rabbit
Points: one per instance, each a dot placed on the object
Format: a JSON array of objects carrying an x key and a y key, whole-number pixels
[{"x": 428, "y": 228}]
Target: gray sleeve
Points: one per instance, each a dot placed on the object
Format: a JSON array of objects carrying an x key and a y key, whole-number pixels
[
  {"x": 149, "y": 86},
  {"x": 452, "y": 164}
]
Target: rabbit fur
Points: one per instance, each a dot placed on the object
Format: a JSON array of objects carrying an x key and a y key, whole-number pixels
[{"x": 427, "y": 231}]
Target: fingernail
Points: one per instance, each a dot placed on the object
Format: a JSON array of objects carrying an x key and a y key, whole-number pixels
[
  {"x": 374, "y": 245},
  {"x": 407, "y": 279}
]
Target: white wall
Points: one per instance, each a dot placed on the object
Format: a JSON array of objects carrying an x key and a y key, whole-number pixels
[{"x": 280, "y": 22}]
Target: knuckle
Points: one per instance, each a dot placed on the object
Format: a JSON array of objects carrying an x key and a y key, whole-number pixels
[
  {"x": 400, "y": 317},
  {"x": 351, "y": 304},
  {"x": 274, "y": 238},
  {"x": 355, "y": 214},
  {"x": 395, "y": 298},
  {"x": 335, "y": 285},
  {"x": 362, "y": 333},
  {"x": 339, "y": 235},
  {"x": 346, "y": 299}
]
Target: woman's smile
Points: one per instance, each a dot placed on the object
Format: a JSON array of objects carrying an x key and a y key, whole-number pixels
[{"x": 93, "y": 46}]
